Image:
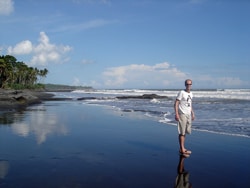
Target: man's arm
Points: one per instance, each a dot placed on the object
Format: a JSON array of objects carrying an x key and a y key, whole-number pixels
[
  {"x": 176, "y": 109},
  {"x": 192, "y": 113}
]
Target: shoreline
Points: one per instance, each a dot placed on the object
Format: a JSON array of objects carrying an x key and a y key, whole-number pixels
[
  {"x": 108, "y": 148},
  {"x": 21, "y": 99}
]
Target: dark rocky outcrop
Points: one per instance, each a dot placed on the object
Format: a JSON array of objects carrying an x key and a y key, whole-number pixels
[
  {"x": 14, "y": 99},
  {"x": 144, "y": 96},
  {"x": 86, "y": 98}
]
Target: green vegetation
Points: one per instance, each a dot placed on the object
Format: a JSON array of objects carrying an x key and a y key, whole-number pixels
[
  {"x": 17, "y": 75},
  {"x": 58, "y": 87}
]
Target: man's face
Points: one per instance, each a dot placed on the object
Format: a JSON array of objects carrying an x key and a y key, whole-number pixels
[{"x": 188, "y": 84}]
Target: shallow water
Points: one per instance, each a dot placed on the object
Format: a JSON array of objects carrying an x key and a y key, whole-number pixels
[
  {"x": 67, "y": 144},
  {"x": 217, "y": 111},
  {"x": 71, "y": 144}
]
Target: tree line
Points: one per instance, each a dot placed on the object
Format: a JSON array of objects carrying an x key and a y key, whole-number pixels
[{"x": 17, "y": 75}]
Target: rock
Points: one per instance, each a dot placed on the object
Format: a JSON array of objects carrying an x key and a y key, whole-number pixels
[
  {"x": 11, "y": 99},
  {"x": 144, "y": 96},
  {"x": 86, "y": 98},
  {"x": 14, "y": 99}
]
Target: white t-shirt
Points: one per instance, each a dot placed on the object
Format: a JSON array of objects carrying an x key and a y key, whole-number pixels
[{"x": 185, "y": 105}]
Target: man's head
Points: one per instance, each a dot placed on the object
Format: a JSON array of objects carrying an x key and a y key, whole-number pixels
[{"x": 188, "y": 84}]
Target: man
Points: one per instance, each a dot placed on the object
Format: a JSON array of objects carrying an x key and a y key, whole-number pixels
[{"x": 184, "y": 114}]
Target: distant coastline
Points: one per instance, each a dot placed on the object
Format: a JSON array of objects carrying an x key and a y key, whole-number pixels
[{"x": 64, "y": 88}]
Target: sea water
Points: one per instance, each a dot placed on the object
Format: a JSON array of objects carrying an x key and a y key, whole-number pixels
[
  {"x": 78, "y": 144},
  {"x": 221, "y": 111}
]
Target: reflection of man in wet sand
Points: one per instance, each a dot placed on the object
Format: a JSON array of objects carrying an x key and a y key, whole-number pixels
[{"x": 182, "y": 180}]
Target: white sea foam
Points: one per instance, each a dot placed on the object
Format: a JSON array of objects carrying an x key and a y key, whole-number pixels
[
  {"x": 222, "y": 133},
  {"x": 243, "y": 94},
  {"x": 217, "y": 111},
  {"x": 155, "y": 101}
]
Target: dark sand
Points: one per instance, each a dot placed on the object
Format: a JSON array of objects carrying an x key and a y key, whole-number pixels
[{"x": 104, "y": 148}]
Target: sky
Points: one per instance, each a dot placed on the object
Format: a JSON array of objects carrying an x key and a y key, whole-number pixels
[{"x": 132, "y": 44}]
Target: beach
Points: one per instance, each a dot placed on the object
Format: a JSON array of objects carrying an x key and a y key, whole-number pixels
[{"x": 73, "y": 144}]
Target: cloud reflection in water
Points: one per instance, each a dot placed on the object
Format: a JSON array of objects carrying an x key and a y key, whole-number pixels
[{"x": 40, "y": 123}]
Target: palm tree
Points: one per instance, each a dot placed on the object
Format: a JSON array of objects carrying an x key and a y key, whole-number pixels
[
  {"x": 43, "y": 73},
  {"x": 14, "y": 73}
]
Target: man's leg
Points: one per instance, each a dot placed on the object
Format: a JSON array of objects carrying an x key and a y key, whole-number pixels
[
  {"x": 184, "y": 126},
  {"x": 181, "y": 143},
  {"x": 183, "y": 150}
]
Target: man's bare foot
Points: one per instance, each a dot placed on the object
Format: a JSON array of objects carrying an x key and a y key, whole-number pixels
[{"x": 185, "y": 151}]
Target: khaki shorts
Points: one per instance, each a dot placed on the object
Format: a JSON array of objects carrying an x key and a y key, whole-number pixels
[{"x": 184, "y": 124}]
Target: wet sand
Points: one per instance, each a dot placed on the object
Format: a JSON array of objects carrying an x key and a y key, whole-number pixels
[{"x": 94, "y": 146}]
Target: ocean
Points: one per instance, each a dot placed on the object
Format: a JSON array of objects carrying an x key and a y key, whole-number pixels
[
  {"x": 219, "y": 111},
  {"x": 103, "y": 141}
]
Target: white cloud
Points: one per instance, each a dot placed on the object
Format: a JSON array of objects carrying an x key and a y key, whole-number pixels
[
  {"x": 162, "y": 75},
  {"x": 24, "y": 47},
  {"x": 6, "y": 7},
  {"x": 42, "y": 53},
  {"x": 46, "y": 52},
  {"x": 143, "y": 76}
]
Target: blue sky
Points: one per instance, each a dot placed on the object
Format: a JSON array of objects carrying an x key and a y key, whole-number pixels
[{"x": 146, "y": 44}]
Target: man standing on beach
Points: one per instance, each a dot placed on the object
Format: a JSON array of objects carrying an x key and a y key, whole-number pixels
[{"x": 184, "y": 114}]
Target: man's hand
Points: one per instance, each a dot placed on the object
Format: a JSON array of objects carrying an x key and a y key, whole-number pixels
[
  {"x": 177, "y": 117},
  {"x": 193, "y": 116}
]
